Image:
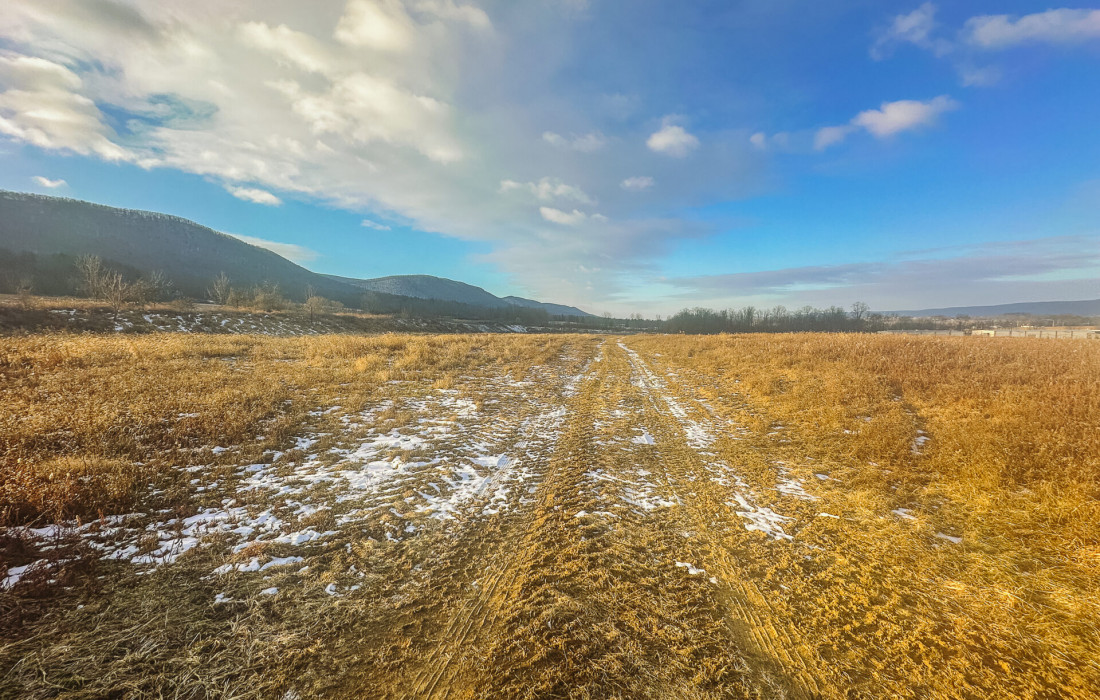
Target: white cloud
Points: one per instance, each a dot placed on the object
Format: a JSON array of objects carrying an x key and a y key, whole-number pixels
[
  {"x": 1060, "y": 26},
  {"x": 985, "y": 33},
  {"x": 252, "y": 194},
  {"x": 415, "y": 114},
  {"x": 672, "y": 140},
  {"x": 297, "y": 48},
  {"x": 829, "y": 135},
  {"x": 374, "y": 225},
  {"x": 584, "y": 143},
  {"x": 889, "y": 119},
  {"x": 364, "y": 108},
  {"x": 43, "y": 104},
  {"x": 547, "y": 189},
  {"x": 780, "y": 140},
  {"x": 894, "y": 117},
  {"x": 47, "y": 182},
  {"x": 382, "y": 25},
  {"x": 290, "y": 251},
  {"x": 914, "y": 28},
  {"x": 572, "y": 218},
  {"x": 636, "y": 184}
]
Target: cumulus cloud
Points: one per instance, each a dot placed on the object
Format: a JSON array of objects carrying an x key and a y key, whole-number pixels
[
  {"x": 572, "y": 218},
  {"x": 672, "y": 140},
  {"x": 407, "y": 107},
  {"x": 982, "y": 34},
  {"x": 364, "y": 108},
  {"x": 636, "y": 184},
  {"x": 547, "y": 189},
  {"x": 584, "y": 143},
  {"x": 297, "y": 48},
  {"x": 367, "y": 223},
  {"x": 889, "y": 119},
  {"x": 382, "y": 25},
  {"x": 47, "y": 182},
  {"x": 255, "y": 195},
  {"x": 1062, "y": 26},
  {"x": 903, "y": 115},
  {"x": 44, "y": 104},
  {"x": 290, "y": 251}
]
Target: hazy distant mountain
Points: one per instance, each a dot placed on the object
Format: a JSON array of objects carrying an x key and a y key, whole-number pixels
[
  {"x": 1036, "y": 308},
  {"x": 425, "y": 287},
  {"x": 552, "y": 309},
  {"x": 429, "y": 287}
]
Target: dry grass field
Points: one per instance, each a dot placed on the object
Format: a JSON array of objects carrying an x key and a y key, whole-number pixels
[{"x": 526, "y": 516}]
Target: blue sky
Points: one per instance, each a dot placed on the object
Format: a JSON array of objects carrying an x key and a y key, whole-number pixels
[{"x": 626, "y": 156}]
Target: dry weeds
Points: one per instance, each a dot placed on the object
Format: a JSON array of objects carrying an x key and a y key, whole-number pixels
[{"x": 610, "y": 555}]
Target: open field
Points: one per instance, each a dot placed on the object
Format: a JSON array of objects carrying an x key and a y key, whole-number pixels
[
  {"x": 536, "y": 516},
  {"x": 75, "y": 315}
]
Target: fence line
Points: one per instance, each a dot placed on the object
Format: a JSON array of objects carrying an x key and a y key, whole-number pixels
[{"x": 1081, "y": 334}]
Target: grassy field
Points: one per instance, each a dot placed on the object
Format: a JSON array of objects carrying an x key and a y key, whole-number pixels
[{"x": 471, "y": 516}]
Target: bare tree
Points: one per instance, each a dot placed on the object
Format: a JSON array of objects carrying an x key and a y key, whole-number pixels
[
  {"x": 221, "y": 290},
  {"x": 140, "y": 292},
  {"x": 160, "y": 287},
  {"x": 267, "y": 297},
  {"x": 116, "y": 292},
  {"x": 860, "y": 311},
  {"x": 315, "y": 305},
  {"x": 24, "y": 288},
  {"x": 92, "y": 275}
]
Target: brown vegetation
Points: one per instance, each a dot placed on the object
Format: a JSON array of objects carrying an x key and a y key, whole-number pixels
[{"x": 936, "y": 531}]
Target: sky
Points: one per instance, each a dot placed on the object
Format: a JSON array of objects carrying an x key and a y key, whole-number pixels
[{"x": 625, "y": 156}]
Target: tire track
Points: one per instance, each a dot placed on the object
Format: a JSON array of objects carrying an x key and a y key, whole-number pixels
[
  {"x": 779, "y": 656},
  {"x": 600, "y": 605},
  {"x": 436, "y": 677}
]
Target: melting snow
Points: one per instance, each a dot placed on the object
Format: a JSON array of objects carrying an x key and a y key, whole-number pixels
[
  {"x": 16, "y": 573},
  {"x": 919, "y": 442},
  {"x": 691, "y": 569}
]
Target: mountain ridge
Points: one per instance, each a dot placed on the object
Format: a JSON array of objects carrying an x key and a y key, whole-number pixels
[
  {"x": 442, "y": 288},
  {"x": 53, "y": 231},
  {"x": 1084, "y": 307}
]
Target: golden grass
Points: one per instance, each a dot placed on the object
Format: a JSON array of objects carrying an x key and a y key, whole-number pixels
[
  {"x": 80, "y": 411},
  {"x": 1011, "y": 465},
  {"x": 539, "y": 601}
]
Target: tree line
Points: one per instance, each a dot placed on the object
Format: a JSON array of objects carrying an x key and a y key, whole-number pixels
[
  {"x": 118, "y": 286},
  {"x": 776, "y": 320}
]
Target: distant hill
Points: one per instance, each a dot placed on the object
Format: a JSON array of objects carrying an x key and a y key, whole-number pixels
[
  {"x": 1035, "y": 308},
  {"x": 439, "y": 288},
  {"x": 425, "y": 287},
  {"x": 42, "y": 236},
  {"x": 552, "y": 309},
  {"x": 191, "y": 255}
]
